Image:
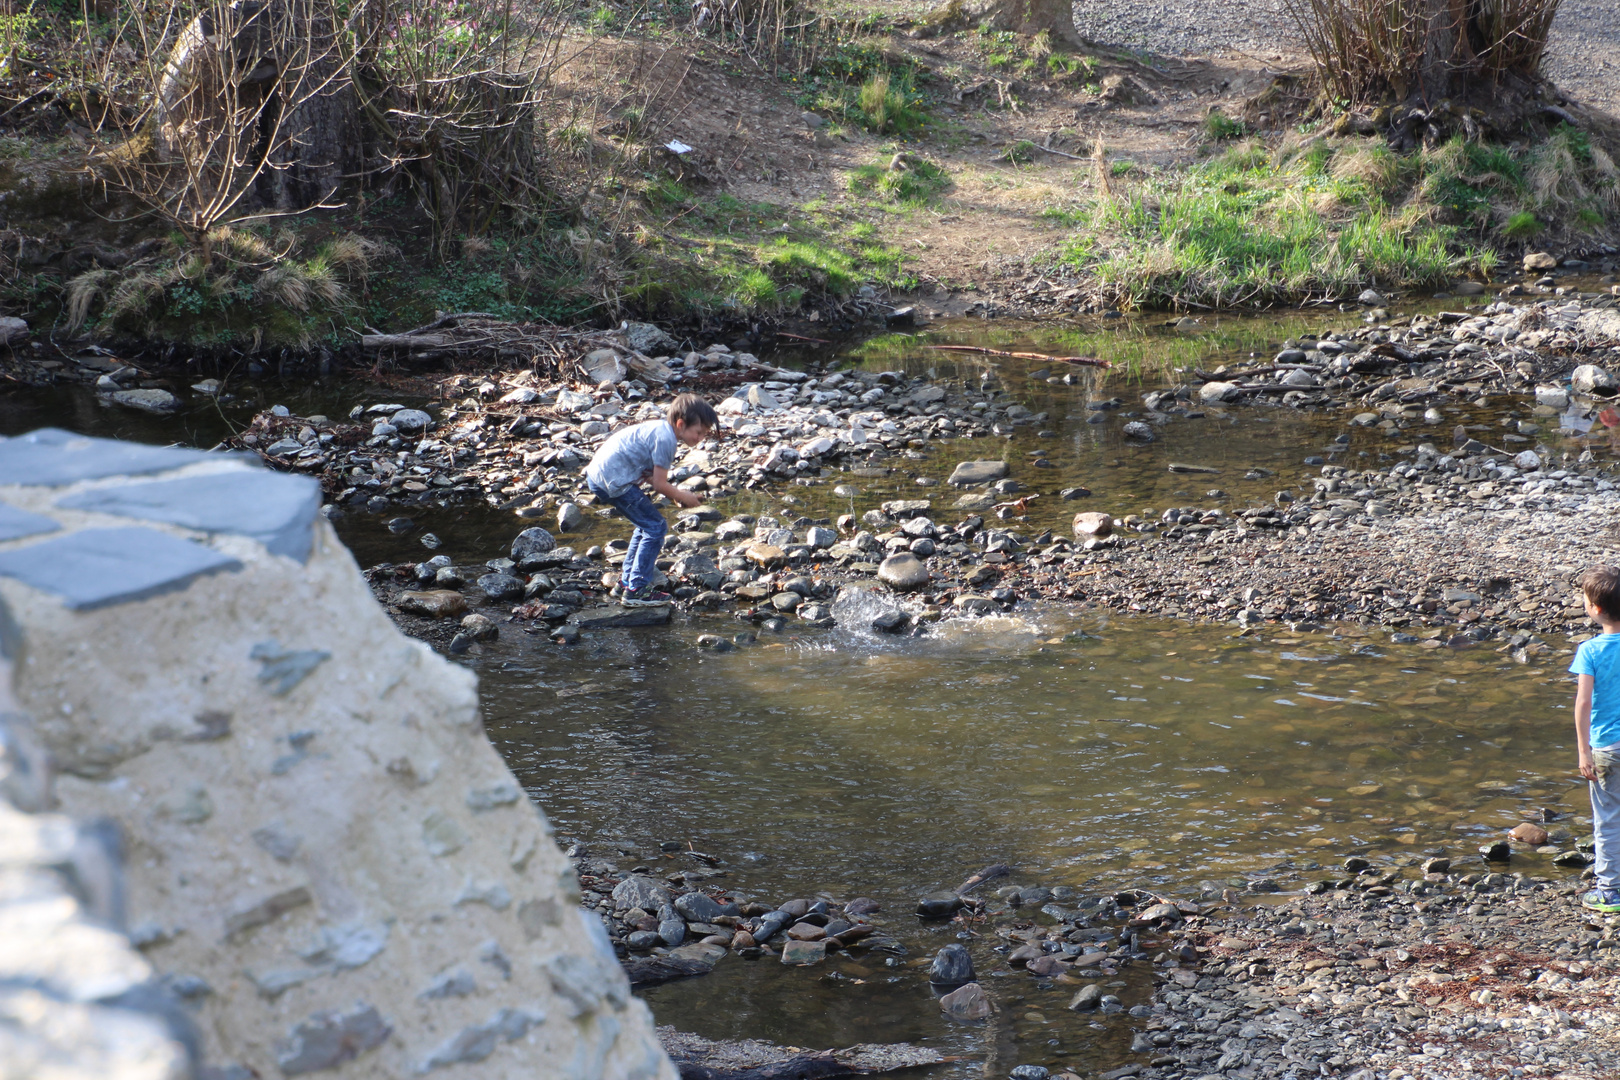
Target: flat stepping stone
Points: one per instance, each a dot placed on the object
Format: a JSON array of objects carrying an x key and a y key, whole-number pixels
[
  {"x": 978, "y": 472},
  {"x": 16, "y": 524},
  {"x": 51, "y": 457},
  {"x": 606, "y": 617},
  {"x": 101, "y": 567},
  {"x": 275, "y": 509}
]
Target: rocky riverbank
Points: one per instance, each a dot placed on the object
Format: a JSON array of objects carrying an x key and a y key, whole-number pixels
[
  {"x": 1452, "y": 536},
  {"x": 1390, "y": 973}
]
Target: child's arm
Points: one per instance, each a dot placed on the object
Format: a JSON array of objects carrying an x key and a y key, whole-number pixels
[
  {"x": 661, "y": 484},
  {"x": 1583, "y": 725}
]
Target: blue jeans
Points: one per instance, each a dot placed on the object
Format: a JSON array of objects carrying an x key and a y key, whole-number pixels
[{"x": 645, "y": 542}]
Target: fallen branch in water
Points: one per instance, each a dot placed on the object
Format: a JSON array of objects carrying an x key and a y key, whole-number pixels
[
  {"x": 1084, "y": 361},
  {"x": 989, "y": 873}
]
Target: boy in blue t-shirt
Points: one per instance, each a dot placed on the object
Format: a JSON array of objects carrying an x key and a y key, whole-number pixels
[
  {"x": 1597, "y": 731},
  {"x": 644, "y": 452}
]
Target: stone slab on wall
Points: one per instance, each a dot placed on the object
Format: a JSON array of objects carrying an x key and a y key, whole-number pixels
[{"x": 324, "y": 852}]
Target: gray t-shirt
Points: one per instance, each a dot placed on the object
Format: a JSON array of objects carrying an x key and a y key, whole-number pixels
[{"x": 630, "y": 453}]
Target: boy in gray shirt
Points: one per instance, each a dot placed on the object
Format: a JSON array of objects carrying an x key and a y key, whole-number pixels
[{"x": 644, "y": 452}]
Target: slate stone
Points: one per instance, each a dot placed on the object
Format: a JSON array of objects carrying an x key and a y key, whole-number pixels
[
  {"x": 328, "y": 1039},
  {"x": 607, "y": 617},
  {"x": 101, "y": 567},
  {"x": 804, "y": 953},
  {"x": 51, "y": 457},
  {"x": 968, "y": 1002},
  {"x": 672, "y": 930},
  {"x": 642, "y": 940},
  {"x": 272, "y": 907},
  {"x": 501, "y": 586},
  {"x": 534, "y": 541},
  {"x": 939, "y": 906},
  {"x": 977, "y": 472},
  {"x": 482, "y": 800},
  {"x": 456, "y": 983},
  {"x": 153, "y": 401},
  {"x": 16, "y": 524},
  {"x": 951, "y": 967},
  {"x": 275, "y": 509},
  {"x": 641, "y": 892},
  {"x": 284, "y": 669},
  {"x": 698, "y": 907},
  {"x": 1086, "y": 998},
  {"x": 903, "y": 571}
]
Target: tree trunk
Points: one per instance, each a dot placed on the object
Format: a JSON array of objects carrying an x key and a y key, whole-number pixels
[
  {"x": 253, "y": 109},
  {"x": 1023, "y": 16}
]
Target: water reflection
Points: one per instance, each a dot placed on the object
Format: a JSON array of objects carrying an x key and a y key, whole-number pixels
[{"x": 1086, "y": 752}]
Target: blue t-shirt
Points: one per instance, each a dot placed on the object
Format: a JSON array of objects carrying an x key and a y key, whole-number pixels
[
  {"x": 630, "y": 453},
  {"x": 1599, "y": 657}
]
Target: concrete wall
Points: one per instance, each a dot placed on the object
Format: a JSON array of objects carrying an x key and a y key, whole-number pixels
[{"x": 325, "y": 858}]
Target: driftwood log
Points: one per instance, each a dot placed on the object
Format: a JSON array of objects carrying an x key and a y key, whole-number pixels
[
  {"x": 478, "y": 335},
  {"x": 698, "y": 1058},
  {"x": 656, "y": 970}
]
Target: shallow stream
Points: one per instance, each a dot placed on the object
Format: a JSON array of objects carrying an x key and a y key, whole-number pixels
[{"x": 1089, "y": 751}]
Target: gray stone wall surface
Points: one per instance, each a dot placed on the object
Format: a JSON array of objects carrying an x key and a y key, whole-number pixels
[{"x": 327, "y": 868}]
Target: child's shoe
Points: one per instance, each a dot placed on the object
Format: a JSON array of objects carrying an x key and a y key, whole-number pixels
[
  {"x": 1604, "y": 900},
  {"x": 646, "y": 596}
]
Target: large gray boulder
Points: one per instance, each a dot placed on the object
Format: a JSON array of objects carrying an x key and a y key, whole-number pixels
[{"x": 323, "y": 830}]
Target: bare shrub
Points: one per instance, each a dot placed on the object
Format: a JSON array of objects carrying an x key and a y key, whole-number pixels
[{"x": 1368, "y": 51}]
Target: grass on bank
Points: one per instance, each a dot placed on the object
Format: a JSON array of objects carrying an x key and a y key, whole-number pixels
[
  {"x": 714, "y": 252},
  {"x": 1321, "y": 219}
]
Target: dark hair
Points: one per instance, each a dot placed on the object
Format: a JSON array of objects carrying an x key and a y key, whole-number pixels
[
  {"x": 690, "y": 409},
  {"x": 1601, "y": 584}
]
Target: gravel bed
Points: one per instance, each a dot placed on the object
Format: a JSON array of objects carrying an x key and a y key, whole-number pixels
[
  {"x": 1391, "y": 973},
  {"x": 1583, "y": 57}
]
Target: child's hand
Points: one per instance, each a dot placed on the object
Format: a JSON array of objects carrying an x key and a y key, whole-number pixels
[{"x": 1588, "y": 767}]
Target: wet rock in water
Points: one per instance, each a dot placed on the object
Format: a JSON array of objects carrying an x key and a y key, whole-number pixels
[
  {"x": 1529, "y": 833},
  {"x": 903, "y": 571},
  {"x": 642, "y": 940},
  {"x": 1371, "y": 298},
  {"x": 968, "y": 1002},
  {"x": 606, "y": 617},
  {"x": 952, "y": 966},
  {"x": 532, "y": 541},
  {"x": 153, "y": 401},
  {"x": 1586, "y": 379},
  {"x": 768, "y": 556},
  {"x": 977, "y": 472},
  {"x": 1540, "y": 260},
  {"x": 569, "y": 517},
  {"x": 891, "y": 622},
  {"x": 671, "y": 927},
  {"x": 1087, "y": 998},
  {"x": 714, "y": 643},
  {"x": 480, "y": 628},
  {"x": 1029, "y": 1072},
  {"x": 1355, "y": 864},
  {"x": 433, "y": 603},
  {"x": 1574, "y": 859},
  {"x": 1092, "y": 523},
  {"x": 501, "y": 586},
  {"x": 939, "y": 905},
  {"x": 1554, "y": 397},
  {"x": 1436, "y": 866},
  {"x": 699, "y": 907},
  {"x": 804, "y": 953},
  {"x": 1212, "y": 393},
  {"x": 1499, "y": 852},
  {"x": 1075, "y": 493},
  {"x": 862, "y": 905},
  {"x": 1157, "y": 912},
  {"x": 1139, "y": 431}
]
